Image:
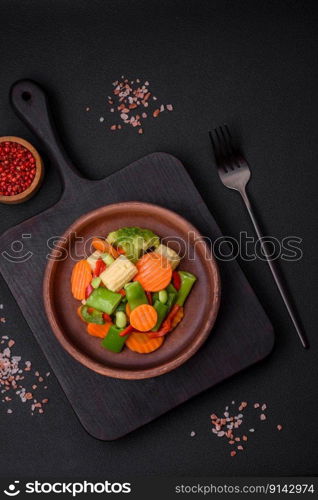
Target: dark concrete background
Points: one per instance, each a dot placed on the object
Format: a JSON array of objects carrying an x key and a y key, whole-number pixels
[{"x": 252, "y": 64}]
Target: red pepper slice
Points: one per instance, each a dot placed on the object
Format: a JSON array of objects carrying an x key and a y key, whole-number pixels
[
  {"x": 149, "y": 297},
  {"x": 176, "y": 280},
  {"x": 107, "y": 318},
  {"x": 122, "y": 292},
  {"x": 167, "y": 324},
  {"x": 100, "y": 266},
  {"x": 121, "y": 251},
  {"x": 88, "y": 291},
  {"x": 127, "y": 330}
]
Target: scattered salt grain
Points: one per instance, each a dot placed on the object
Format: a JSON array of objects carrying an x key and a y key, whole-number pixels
[
  {"x": 101, "y": 119},
  {"x": 279, "y": 427},
  {"x": 192, "y": 434},
  {"x": 262, "y": 416},
  {"x": 11, "y": 376},
  {"x": 132, "y": 95}
]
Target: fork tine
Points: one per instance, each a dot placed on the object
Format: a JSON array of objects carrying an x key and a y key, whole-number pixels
[
  {"x": 216, "y": 149},
  {"x": 227, "y": 138}
]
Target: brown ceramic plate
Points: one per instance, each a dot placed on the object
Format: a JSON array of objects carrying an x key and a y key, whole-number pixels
[{"x": 201, "y": 307}]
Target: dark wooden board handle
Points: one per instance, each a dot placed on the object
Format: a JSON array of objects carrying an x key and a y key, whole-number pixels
[{"x": 31, "y": 104}]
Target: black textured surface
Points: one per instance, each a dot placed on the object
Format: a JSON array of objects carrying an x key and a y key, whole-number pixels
[{"x": 251, "y": 64}]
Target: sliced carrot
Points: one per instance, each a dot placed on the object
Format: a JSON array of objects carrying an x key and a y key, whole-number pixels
[
  {"x": 177, "y": 318},
  {"x": 142, "y": 343},
  {"x": 80, "y": 279},
  {"x": 143, "y": 318},
  {"x": 104, "y": 246},
  {"x": 98, "y": 330},
  {"x": 154, "y": 272},
  {"x": 128, "y": 310}
]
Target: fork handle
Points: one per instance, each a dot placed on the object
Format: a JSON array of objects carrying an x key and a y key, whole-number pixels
[{"x": 274, "y": 272}]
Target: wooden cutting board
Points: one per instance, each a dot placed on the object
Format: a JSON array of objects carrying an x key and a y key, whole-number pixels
[{"x": 109, "y": 408}]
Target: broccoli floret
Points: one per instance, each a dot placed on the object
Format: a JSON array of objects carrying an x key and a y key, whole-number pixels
[{"x": 133, "y": 240}]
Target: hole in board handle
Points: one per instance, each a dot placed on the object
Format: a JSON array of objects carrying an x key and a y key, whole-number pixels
[{"x": 26, "y": 96}]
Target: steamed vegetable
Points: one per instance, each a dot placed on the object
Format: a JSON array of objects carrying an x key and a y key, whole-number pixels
[
  {"x": 91, "y": 315},
  {"x": 133, "y": 240},
  {"x": 107, "y": 258},
  {"x": 121, "y": 319},
  {"x": 143, "y": 318},
  {"x": 162, "y": 311},
  {"x": 80, "y": 279},
  {"x": 154, "y": 272},
  {"x": 103, "y": 246},
  {"x": 104, "y": 300},
  {"x": 142, "y": 343},
  {"x": 135, "y": 295},
  {"x": 113, "y": 342},
  {"x": 98, "y": 330},
  {"x": 187, "y": 282},
  {"x": 118, "y": 274},
  {"x": 169, "y": 254},
  {"x": 93, "y": 258},
  {"x": 130, "y": 290},
  {"x": 163, "y": 296},
  {"x": 167, "y": 324}
]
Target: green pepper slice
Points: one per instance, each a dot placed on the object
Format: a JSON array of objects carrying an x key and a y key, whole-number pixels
[
  {"x": 135, "y": 295},
  {"x": 162, "y": 311},
  {"x": 113, "y": 342},
  {"x": 91, "y": 315},
  {"x": 187, "y": 282},
  {"x": 172, "y": 297},
  {"x": 104, "y": 300}
]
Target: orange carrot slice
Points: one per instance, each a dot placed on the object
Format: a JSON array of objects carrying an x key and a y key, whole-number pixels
[
  {"x": 104, "y": 246},
  {"x": 140, "y": 342},
  {"x": 154, "y": 272},
  {"x": 143, "y": 318},
  {"x": 80, "y": 279},
  {"x": 128, "y": 310},
  {"x": 98, "y": 330}
]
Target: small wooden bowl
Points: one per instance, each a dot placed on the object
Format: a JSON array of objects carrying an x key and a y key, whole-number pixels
[
  {"x": 31, "y": 190},
  {"x": 201, "y": 307}
]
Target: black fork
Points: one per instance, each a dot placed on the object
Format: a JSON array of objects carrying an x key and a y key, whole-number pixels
[{"x": 235, "y": 173}]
